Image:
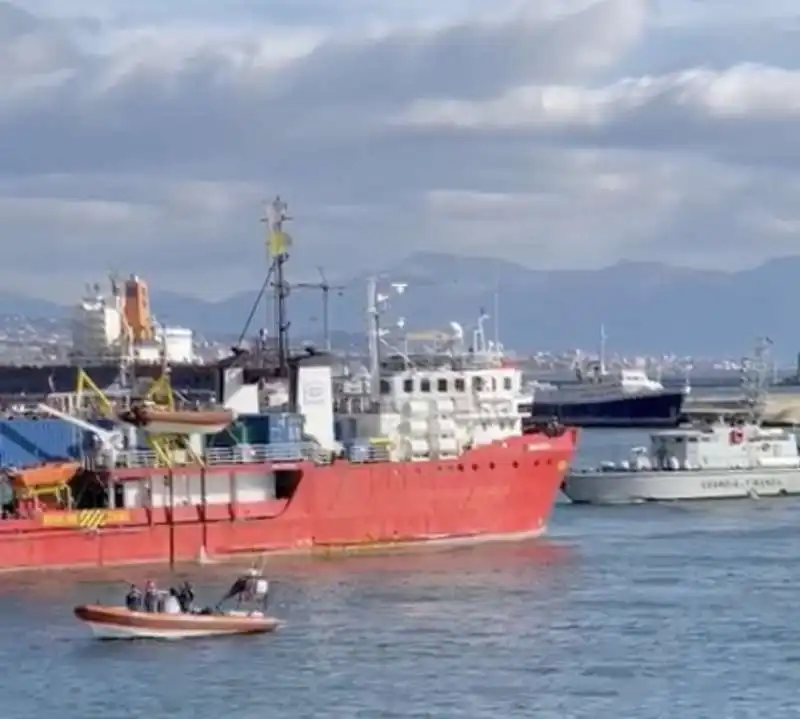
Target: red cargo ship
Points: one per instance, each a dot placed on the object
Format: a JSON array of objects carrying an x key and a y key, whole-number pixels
[
  {"x": 450, "y": 470},
  {"x": 506, "y": 489},
  {"x": 433, "y": 450}
]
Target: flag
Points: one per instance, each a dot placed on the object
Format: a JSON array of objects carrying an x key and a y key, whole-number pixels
[{"x": 279, "y": 242}]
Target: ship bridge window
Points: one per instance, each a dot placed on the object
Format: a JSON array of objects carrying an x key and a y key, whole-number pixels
[
  {"x": 425, "y": 385},
  {"x": 692, "y": 439},
  {"x": 508, "y": 385},
  {"x": 441, "y": 385},
  {"x": 408, "y": 386},
  {"x": 459, "y": 384},
  {"x": 477, "y": 384},
  {"x": 386, "y": 387}
]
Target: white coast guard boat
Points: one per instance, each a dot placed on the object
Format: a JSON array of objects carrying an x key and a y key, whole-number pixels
[{"x": 716, "y": 461}]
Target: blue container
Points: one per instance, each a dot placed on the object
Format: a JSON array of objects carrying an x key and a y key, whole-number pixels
[
  {"x": 273, "y": 427},
  {"x": 256, "y": 427},
  {"x": 238, "y": 433},
  {"x": 285, "y": 427},
  {"x": 25, "y": 441},
  {"x": 345, "y": 429}
]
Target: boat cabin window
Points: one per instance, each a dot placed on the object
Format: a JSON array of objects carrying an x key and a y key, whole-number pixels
[
  {"x": 508, "y": 385},
  {"x": 477, "y": 384},
  {"x": 494, "y": 384},
  {"x": 386, "y": 387},
  {"x": 425, "y": 385},
  {"x": 459, "y": 384},
  {"x": 408, "y": 386},
  {"x": 441, "y": 385}
]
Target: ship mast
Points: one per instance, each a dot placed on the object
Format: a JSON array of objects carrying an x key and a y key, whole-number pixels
[
  {"x": 603, "y": 338},
  {"x": 279, "y": 243},
  {"x": 373, "y": 334},
  {"x": 755, "y": 380},
  {"x": 376, "y": 303}
]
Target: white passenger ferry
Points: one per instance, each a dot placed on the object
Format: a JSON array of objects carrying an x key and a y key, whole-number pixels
[{"x": 717, "y": 461}]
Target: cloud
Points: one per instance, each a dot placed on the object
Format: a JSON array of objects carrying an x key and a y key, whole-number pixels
[
  {"x": 555, "y": 134},
  {"x": 718, "y": 113}
]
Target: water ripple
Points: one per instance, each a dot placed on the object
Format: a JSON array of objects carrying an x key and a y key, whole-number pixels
[{"x": 646, "y": 612}]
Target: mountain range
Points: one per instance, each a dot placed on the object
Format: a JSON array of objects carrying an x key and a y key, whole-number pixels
[{"x": 645, "y": 307}]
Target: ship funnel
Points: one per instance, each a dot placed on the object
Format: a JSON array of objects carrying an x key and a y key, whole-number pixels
[{"x": 136, "y": 309}]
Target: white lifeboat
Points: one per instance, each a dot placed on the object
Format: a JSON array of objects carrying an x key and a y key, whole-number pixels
[{"x": 163, "y": 421}]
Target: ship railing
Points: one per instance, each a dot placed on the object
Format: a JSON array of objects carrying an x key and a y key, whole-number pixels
[
  {"x": 373, "y": 452},
  {"x": 356, "y": 404},
  {"x": 216, "y": 456}
]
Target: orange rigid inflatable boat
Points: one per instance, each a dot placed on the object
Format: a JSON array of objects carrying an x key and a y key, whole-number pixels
[{"x": 121, "y": 623}]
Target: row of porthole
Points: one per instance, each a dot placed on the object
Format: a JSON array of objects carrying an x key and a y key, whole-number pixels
[{"x": 475, "y": 467}]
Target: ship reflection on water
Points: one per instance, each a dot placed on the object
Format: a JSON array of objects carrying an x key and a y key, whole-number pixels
[{"x": 426, "y": 565}]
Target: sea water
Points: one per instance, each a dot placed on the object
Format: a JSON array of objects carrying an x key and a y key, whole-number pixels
[{"x": 646, "y": 612}]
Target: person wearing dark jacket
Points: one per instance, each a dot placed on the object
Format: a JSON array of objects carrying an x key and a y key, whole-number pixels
[
  {"x": 186, "y": 597},
  {"x": 242, "y": 588},
  {"x": 133, "y": 599},
  {"x": 150, "y": 597}
]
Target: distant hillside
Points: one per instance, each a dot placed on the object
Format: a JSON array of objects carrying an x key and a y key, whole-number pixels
[{"x": 646, "y": 307}]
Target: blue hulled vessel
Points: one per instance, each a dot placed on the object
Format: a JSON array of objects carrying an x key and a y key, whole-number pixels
[{"x": 626, "y": 398}]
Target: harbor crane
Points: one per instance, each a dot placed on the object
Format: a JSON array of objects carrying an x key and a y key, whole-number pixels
[{"x": 325, "y": 287}]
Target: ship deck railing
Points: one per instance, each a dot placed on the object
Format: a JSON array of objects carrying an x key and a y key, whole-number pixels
[{"x": 216, "y": 456}]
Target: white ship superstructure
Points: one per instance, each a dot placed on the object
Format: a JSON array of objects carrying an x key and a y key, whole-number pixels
[
  {"x": 432, "y": 405},
  {"x": 601, "y": 385}
]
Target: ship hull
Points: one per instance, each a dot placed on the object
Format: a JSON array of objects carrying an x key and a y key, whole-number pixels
[
  {"x": 671, "y": 486},
  {"x": 661, "y": 409},
  {"x": 33, "y": 381},
  {"x": 506, "y": 489},
  {"x": 117, "y": 623}
]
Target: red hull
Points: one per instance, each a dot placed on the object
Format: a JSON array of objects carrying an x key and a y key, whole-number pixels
[{"x": 502, "y": 489}]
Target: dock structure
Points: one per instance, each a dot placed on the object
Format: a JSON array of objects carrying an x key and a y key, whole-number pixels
[{"x": 777, "y": 410}]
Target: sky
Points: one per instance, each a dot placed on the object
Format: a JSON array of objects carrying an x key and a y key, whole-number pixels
[{"x": 148, "y": 136}]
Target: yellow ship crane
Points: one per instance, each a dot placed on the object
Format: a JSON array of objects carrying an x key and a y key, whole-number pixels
[{"x": 168, "y": 449}]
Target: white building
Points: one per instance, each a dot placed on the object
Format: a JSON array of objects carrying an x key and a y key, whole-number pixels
[
  {"x": 97, "y": 327},
  {"x": 106, "y": 328}
]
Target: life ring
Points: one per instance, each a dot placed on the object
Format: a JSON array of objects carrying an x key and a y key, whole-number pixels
[{"x": 736, "y": 436}]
